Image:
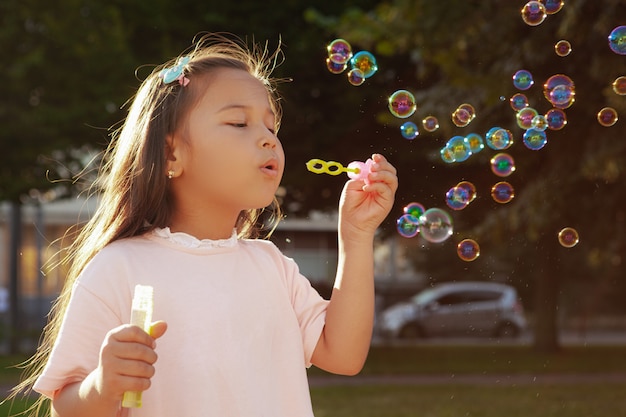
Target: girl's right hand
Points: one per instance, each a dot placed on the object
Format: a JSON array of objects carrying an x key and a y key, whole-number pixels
[{"x": 126, "y": 361}]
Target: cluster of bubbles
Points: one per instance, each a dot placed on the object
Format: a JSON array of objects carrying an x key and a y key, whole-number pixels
[
  {"x": 362, "y": 64},
  {"x": 434, "y": 224},
  {"x": 459, "y": 196}
]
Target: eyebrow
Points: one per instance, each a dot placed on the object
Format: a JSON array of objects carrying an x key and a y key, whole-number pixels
[{"x": 243, "y": 107}]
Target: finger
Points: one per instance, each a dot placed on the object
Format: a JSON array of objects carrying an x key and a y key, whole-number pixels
[
  {"x": 381, "y": 163},
  {"x": 136, "y": 369},
  {"x": 384, "y": 177},
  {"x": 157, "y": 329},
  {"x": 131, "y": 333}
]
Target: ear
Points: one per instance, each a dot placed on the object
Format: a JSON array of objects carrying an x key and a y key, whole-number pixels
[{"x": 174, "y": 155}]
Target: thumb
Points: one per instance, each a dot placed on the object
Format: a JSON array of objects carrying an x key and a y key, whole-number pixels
[{"x": 157, "y": 329}]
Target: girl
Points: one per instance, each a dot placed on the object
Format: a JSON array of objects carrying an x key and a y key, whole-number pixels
[{"x": 237, "y": 324}]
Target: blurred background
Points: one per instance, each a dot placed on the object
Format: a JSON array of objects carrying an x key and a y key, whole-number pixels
[{"x": 69, "y": 66}]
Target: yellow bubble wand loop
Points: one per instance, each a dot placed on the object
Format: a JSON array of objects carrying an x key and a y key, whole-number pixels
[{"x": 318, "y": 166}]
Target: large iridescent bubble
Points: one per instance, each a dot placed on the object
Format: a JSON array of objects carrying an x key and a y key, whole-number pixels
[{"x": 435, "y": 225}]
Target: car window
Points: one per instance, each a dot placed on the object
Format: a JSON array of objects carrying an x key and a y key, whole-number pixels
[
  {"x": 480, "y": 296},
  {"x": 451, "y": 299}
]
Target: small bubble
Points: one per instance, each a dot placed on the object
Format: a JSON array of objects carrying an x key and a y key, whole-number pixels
[
  {"x": 617, "y": 40},
  {"x": 556, "y": 119},
  {"x": 468, "y": 250},
  {"x": 535, "y": 139},
  {"x": 457, "y": 198},
  {"x": 407, "y": 226},
  {"x": 533, "y": 13},
  {"x": 469, "y": 187},
  {"x": 430, "y": 123},
  {"x": 563, "y": 48},
  {"x": 402, "y": 104},
  {"x": 552, "y": 6},
  {"x": 409, "y": 130},
  {"x": 502, "y": 192},
  {"x": 335, "y": 68},
  {"x": 607, "y": 117},
  {"x": 366, "y": 62},
  {"x": 523, "y": 80},
  {"x": 435, "y": 225},
  {"x": 619, "y": 85},
  {"x": 414, "y": 209},
  {"x": 502, "y": 164},
  {"x": 568, "y": 237},
  {"x": 525, "y": 117},
  {"x": 339, "y": 51},
  {"x": 475, "y": 142},
  {"x": 459, "y": 148},
  {"x": 519, "y": 101},
  {"x": 356, "y": 77}
]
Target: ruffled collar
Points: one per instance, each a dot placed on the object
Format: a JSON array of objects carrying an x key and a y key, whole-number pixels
[{"x": 188, "y": 241}]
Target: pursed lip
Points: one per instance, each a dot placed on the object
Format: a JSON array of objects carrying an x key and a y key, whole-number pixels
[{"x": 270, "y": 167}]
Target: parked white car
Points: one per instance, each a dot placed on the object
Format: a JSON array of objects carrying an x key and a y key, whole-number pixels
[{"x": 459, "y": 308}]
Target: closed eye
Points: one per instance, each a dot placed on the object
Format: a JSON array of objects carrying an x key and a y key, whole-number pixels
[{"x": 239, "y": 125}]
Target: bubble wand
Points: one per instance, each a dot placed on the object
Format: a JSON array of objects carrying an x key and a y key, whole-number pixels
[{"x": 356, "y": 170}]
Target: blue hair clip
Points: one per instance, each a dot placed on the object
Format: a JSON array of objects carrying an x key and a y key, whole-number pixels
[{"x": 176, "y": 73}]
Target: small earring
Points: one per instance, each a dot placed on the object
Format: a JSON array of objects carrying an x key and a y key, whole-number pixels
[{"x": 170, "y": 174}]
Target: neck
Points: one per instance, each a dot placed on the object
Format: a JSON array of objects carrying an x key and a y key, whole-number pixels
[{"x": 204, "y": 224}]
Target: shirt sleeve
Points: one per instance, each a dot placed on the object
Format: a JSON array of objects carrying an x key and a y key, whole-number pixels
[
  {"x": 309, "y": 307},
  {"x": 92, "y": 312}
]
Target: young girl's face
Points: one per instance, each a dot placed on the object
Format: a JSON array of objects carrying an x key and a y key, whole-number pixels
[{"x": 231, "y": 155}]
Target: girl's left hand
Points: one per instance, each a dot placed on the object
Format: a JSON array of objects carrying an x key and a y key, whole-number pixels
[{"x": 362, "y": 208}]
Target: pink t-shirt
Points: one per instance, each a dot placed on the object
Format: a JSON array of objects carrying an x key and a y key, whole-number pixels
[{"x": 242, "y": 325}]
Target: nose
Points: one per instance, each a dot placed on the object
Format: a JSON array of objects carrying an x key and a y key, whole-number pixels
[{"x": 268, "y": 139}]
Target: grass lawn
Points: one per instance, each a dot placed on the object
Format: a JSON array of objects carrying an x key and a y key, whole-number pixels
[
  {"x": 568, "y": 400},
  {"x": 543, "y": 400}
]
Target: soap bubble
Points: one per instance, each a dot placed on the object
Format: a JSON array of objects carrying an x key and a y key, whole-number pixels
[
  {"x": 619, "y": 86},
  {"x": 339, "y": 51},
  {"x": 552, "y": 6},
  {"x": 568, "y": 237},
  {"x": 556, "y": 119},
  {"x": 459, "y": 148},
  {"x": 409, "y": 130},
  {"x": 475, "y": 142},
  {"x": 535, "y": 139},
  {"x": 414, "y": 209},
  {"x": 563, "y": 48},
  {"x": 555, "y": 81},
  {"x": 366, "y": 62},
  {"x": 407, "y": 226},
  {"x": 446, "y": 155},
  {"x": 499, "y": 138},
  {"x": 430, "y": 123},
  {"x": 533, "y": 13},
  {"x": 335, "y": 68},
  {"x": 356, "y": 77},
  {"x": 457, "y": 198},
  {"x": 468, "y": 250},
  {"x": 607, "y": 116},
  {"x": 502, "y": 164},
  {"x": 519, "y": 101},
  {"x": 562, "y": 96},
  {"x": 539, "y": 122},
  {"x": 402, "y": 104},
  {"x": 525, "y": 117},
  {"x": 435, "y": 225},
  {"x": 523, "y": 80},
  {"x": 463, "y": 115},
  {"x": 617, "y": 40},
  {"x": 470, "y": 188},
  {"x": 502, "y": 192}
]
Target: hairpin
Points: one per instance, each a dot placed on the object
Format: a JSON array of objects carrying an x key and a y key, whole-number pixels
[{"x": 176, "y": 73}]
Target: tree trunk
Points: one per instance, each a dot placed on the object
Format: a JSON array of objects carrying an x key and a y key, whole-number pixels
[
  {"x": 547, "y": 289},
  {"x": 15, "y": 245}
]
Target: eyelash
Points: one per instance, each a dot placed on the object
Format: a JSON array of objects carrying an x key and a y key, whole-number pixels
[{"x": 243, "y": 125}]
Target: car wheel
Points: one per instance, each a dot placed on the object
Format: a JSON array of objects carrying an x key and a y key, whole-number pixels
[
  {"x": 507, "y": 330},
  {"x": 412, "y": 331}
]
